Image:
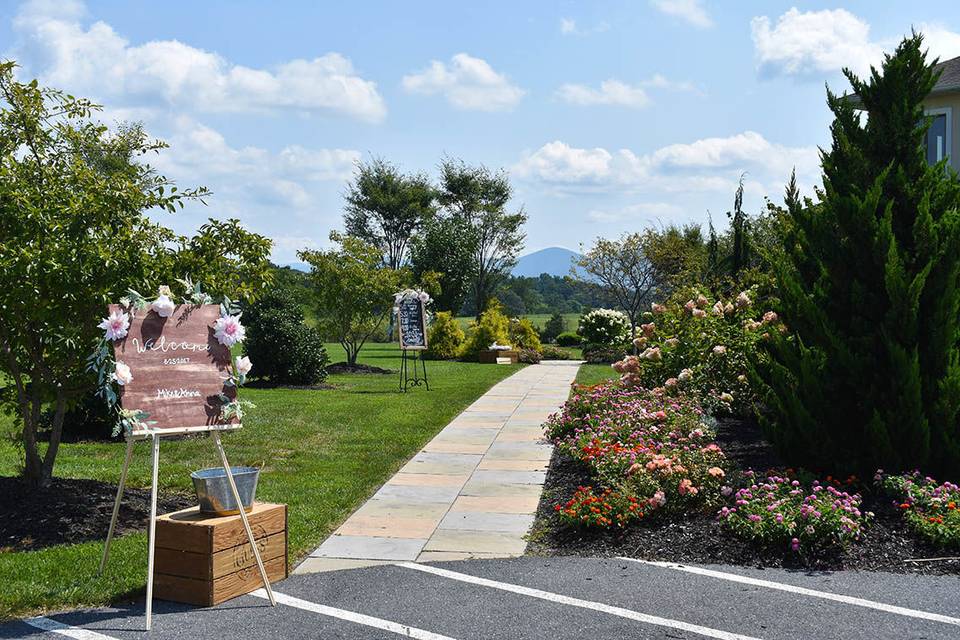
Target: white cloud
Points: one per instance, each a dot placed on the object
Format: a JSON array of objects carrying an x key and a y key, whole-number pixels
[
  {"x": 569, "y": 27},
  {"x": 690, "y": 11},
  {"x": 643, "y": 211},
  {"x": 467, "y": 83},
  {"x": 813, "y": 42},
  {"x": 940, "y": 41},
  {"x": 96, "y": 60},
  {"x": 611, "y": 92}
]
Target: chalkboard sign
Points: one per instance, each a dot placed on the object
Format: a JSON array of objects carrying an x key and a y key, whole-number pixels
[
  {"x": 178, "y": 366},
  {"x": 411, "y": 323}
]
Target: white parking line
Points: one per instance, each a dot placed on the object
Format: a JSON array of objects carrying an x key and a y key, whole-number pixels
[
  {"x": 66, "y": 630},
  {"x": 351, "y": 616},
  {"x": 825, "y": 595},
  {"x": 577, "y": 602}
]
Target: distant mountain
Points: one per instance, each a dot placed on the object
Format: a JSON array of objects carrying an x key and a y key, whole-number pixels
[
  {"x": 555, "y": 261},
  {"x": 297, "y": 266}
]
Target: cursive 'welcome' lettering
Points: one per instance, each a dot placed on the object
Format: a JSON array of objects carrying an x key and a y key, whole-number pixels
[{"x": 163, "y": 346}]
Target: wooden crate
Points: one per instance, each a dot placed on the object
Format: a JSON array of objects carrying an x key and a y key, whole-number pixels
[
  {"x": 490, "y": 356},
  {"x": 206, "y": 560}
]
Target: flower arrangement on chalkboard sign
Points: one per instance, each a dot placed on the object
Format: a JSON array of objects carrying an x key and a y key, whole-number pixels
[
  {"x": 228, "y": 331},
  {"x": 408, "y": 294}
]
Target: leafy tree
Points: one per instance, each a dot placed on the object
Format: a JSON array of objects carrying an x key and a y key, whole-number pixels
[
  {"x": 445, "y": 338},
  {"x": 441, "y": 248},
  {"x": 479, "y": 197},
  {"x": 386, "y": 208},
  {"x": 492, "y": 327},
  {"x": 678, "y": 255},
  {"x": 553, "y": 327},
  {"x": 281, "y": 346},
  {"x": 353, "y": 291},
  {"x": 73, "y": 202},
  {"x": 870, "y": 376}
]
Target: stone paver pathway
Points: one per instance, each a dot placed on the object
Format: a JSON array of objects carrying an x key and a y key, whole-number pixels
[{"x": 472, "y": 492}]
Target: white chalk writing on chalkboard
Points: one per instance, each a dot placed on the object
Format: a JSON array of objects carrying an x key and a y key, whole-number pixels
[{"x": 412, "y": 325}]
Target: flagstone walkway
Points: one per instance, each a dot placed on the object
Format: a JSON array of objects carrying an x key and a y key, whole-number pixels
[{"x": 472, "y": 492}]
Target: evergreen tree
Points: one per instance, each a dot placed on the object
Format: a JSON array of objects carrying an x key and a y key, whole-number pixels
[{"x": 869, "y": 375}]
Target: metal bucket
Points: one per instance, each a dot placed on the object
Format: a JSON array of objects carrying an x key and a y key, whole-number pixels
[{"x": 213, "y": 489}]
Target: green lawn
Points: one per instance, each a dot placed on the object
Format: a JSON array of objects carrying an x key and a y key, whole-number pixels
[
  {"x": 322, "y": 452},
  {"x": 594, "y": 373}
]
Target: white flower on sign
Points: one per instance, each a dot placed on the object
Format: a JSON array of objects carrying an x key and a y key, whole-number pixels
[
  {"x": 228, "y": 331},
  {"x": 122, "y": 373},
  {"x": 243, "y": 365},
  {"x": 163, "y": 305},
  {"x": 116, "y": 326}
]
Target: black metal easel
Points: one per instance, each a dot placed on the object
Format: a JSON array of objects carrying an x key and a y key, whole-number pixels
[{"x": 406, "y": 380}]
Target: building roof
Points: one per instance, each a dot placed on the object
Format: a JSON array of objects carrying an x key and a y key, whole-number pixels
[{"x": 949, "y": 76}]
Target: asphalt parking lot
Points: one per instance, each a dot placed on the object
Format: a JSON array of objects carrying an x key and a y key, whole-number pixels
[{"x": 549, "y": 598}]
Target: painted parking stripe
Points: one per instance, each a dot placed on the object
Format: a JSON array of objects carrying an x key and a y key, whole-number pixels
[
  {"x": 825, "y": 595},
  {"x": 351, "y": 616},
  {"x": 577, "y": 602},
  {"x": 53, "y": 626}
]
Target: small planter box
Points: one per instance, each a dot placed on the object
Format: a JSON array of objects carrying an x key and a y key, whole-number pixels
[
  {"x": 205, "y": 560},
  {"x": 494, "y": 356}
]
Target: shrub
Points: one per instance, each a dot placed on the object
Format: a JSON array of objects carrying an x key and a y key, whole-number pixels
[
  {"x": 529, "y": 356},
  {"x": 445, "y": 338},
  {"x": 932, "y": 510},
  {"x": 550, "y": 352},
  {"x": 523, "y": 334},
  {"x": 604, "y": 326},
  {"x": 778, "y": 511},
  {"x": 569, "y": 339},
  {"x": 701, "y": 345},
  {"x": 869, "y": 376},
  {"x": 492, "y": 327},
  {"x": 609, "y": 509},
  {"x": 281, "y": 346},
  {"x": 553, "y": 327},
  {"x": 604, "y": 354}
]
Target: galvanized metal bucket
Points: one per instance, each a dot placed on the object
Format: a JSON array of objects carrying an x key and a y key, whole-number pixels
[{"x": 213, "y": 489}]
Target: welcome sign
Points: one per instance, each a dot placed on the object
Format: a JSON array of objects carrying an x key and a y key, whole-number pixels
[
  {"x": 411, "y": 323},
  {"x": 179, "y": 368}
]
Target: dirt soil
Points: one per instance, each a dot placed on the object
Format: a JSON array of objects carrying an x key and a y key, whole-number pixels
[
  {"x": 71, "y": 511},
  {"x": 698, "y": 538},
  {"x": 343, "y": 367}
]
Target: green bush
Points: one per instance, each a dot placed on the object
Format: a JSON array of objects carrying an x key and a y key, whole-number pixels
[
  {"x": 553, "y": 327},
  {"x": 551, "y": 352},
  {"x": 604, "y": 326},
  {"x": 493, "y": 327},
  {"x": 523, "y": 335},
  {"x": 605, "y": 353},
  {"x": 529, "y": 356},
  {"x": 568, "y": 339},
  {"x": 281, "y": 347},
  {"x": 869, "y": 376},
  {"x": 445, "y": 338}
]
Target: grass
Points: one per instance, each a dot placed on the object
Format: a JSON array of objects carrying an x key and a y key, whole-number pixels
[
  {"x": 594, "y": 373},
  {"x": 322, "y": 452}
]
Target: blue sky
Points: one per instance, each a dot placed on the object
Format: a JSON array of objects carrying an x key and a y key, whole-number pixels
[{"x": 610, "y": 116}]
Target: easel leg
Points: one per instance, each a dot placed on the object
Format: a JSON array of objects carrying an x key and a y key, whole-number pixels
[
  {"x": 116, "y": 505},
  {"x": 153, "y": 529},
  {"x": 243, "y": 517}
]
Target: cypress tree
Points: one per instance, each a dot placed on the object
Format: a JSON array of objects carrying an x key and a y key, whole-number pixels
[{"x": 868, "y": 375}]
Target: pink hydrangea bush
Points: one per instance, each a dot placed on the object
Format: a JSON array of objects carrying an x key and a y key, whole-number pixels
[
  {"x": 785, "y": 513},
  {"x": 696, "y": 344},
  {"x": 642, "y": 444},
  {"x": 931, "y": 509}
]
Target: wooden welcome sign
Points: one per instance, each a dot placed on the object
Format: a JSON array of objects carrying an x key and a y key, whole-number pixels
[
  {"x": 411, "y": 324},
  {"x": 179, "y": 368}
]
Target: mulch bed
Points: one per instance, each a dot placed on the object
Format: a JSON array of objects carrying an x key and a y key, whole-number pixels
[
  {"x": 71, "y": 511},
  {"x": 699, "y": 539},
  {"x": 343, "y": 367}
]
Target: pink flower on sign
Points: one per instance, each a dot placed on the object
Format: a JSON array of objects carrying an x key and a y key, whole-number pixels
[
  {"x": 228, "y": 331},
  {"x": 122, "y": 373},
  {"x": 115, "y": 326},
  {"x": 243, "y": 365},
  {"x": 163, "y": 305}
]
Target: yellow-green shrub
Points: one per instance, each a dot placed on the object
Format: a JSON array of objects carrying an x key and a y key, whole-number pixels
[
  {"x": 523, "y": 335},
  {"x": 493, "y": 327},
  {"x": 445, "y": 338}
]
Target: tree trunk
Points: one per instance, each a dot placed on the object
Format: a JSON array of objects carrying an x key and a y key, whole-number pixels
[{"x": 55, "y": 435}]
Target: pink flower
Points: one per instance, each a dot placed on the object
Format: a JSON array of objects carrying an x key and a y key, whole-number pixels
[
  {"x": 702, "y": 300},
  {"x": 690, "y": 305},
  {"x": 243, "y": 365},
  {"x": 718, "y": 308},
  {"x": 658, "y": 308},
  {"x": 228, "y": 331},
  {"x": 653, "y": 354},
  {"x": 716, "y": 472},
  {"x": 743, "y": 300},
  {"x": 116, "y": 326},
  {"x": 122, "y": 373},
  {"x": 671, "y": 382},
  {"x": 163, "y": 305},
  {"x": 648, "y": 329},
  {"x": 770, "y": 317},
  {"x": 726, "y": 397},
  {"x": 658, "y": 500},
  {"x": 795, "y": 544},
  {"x": 671, "y": 342},
  {"x": 728, "y": 308},
  {"x": 720, "y": 350},
  {"x": 686, "y": 488},
  {"x": 726, "y": 491},
  {"x": 699, "y": 313},
  {"x": 685, "y": 375},
  {"x": 639, "y": 342}
]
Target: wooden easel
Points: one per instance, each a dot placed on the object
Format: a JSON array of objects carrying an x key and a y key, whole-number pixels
[{"x": 155, "y": 435}]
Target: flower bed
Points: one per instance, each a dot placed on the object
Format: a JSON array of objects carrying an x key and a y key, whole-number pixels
[{"x": 932, "y": 510}]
